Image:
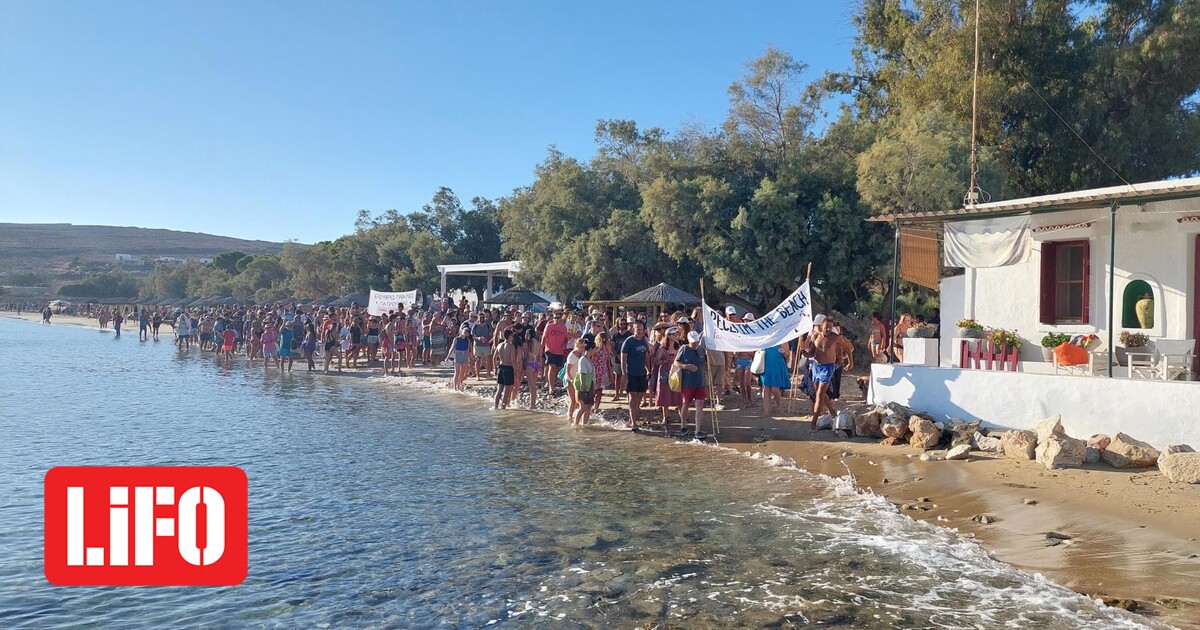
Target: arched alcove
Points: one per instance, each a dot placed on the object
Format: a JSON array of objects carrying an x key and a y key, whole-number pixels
[{"x": 1134, "y": 291}]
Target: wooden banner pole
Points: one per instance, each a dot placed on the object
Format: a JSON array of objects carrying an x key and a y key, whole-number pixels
[
  {"x": 796, "y": 358},
  {"x": 712, "y": 387}
]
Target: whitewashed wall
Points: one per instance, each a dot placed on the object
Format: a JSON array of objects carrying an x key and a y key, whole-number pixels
[
  {"x": 1157, "y": 412},
  {"x": 1151, "y": 246}
]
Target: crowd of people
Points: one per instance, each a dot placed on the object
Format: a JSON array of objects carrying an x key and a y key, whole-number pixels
[{"x": 654, "y": 365}]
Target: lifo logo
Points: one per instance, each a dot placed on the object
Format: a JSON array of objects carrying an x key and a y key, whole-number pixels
[{"x": 145, "y": 525}]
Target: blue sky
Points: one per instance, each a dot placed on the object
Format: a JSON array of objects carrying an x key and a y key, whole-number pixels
[{"x": 280, "y": 120}]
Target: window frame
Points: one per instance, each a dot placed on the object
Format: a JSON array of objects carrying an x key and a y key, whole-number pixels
[{"x": 1050, "y": 283}]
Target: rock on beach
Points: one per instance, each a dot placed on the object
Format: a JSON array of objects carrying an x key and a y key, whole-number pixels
[
  {"x": 962, "y": 451},
  {"x": 1060, "y": 451},
  {"x": 1180, "y": 466},
  {"x": 1126, "y": 452},
  {"x": 924, "y": 435},
  {"x": 1049, "y": 428},
  {"x": 1019, "y": 444}
]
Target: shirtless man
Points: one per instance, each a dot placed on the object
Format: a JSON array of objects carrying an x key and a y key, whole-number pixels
[
  {"x": 823, "y": 348},
  {"x": 505, "y": 359},
  {"x": 878, "y": 339}
]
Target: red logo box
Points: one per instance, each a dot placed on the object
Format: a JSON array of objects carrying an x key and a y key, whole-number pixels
[{"x": 145, "y": 525}]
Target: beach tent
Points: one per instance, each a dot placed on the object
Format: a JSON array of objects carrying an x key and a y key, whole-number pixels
[
  {"x": 328, "y": 300},
  {"x": 518, "y": 296}
]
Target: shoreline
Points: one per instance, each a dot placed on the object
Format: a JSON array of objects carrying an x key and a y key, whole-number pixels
[{"x": 1133, "y": 535}]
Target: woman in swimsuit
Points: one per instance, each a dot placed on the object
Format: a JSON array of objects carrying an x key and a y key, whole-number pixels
[
  {"x": 309, "y": 345},
  {"x": 878, "y": 334},
  {"x": 332, "y": 346},
  {"x": 533, "y": 365},
  {"x": 387, "y": 336},
  {"x": 902, "y": 327}
]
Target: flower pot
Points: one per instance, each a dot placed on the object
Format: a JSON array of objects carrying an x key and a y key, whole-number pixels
[
  {"x": 1047, "y": 354},
  {"x": 970, "y": 333},
  {"x": 1144, "y": 308},
  {"x": 1121, "y": 355}
]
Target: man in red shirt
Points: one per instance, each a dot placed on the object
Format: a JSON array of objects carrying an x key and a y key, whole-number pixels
[{"x": 554, "y": 338}]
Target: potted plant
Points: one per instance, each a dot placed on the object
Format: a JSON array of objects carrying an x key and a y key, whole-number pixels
[
  {"x": 970, "y": 329},
  {"x": 921, "y": 331},
  {"x": 1052, "y": 341},
  {"x": 1004, "y": 339},
  {"x": 1144, "y": 309},
  {"x": 1130, "y": 340}
]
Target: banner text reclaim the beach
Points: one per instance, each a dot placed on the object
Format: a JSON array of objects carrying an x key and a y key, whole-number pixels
[
  {"x": 381, "y": 303},
  {"x": 792, "y": 318}
]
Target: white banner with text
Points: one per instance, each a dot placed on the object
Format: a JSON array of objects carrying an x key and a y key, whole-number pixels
[
  {"x": 792, "y": 318},
  {"x": 382, "y": 303}
]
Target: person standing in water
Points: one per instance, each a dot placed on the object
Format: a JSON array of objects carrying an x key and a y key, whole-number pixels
[
  {"x": 117, "y": 321},
  {"x": 505, "y": 358}
]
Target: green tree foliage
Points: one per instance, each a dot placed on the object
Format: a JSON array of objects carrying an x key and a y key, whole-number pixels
[
  {"x": 105, "y": 285},
  {"x": 227, "y": 261},
  {"x": 1122, "y": 73}
]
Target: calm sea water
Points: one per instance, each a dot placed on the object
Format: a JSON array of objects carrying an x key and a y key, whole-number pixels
[{"x": 376, "y": 504}]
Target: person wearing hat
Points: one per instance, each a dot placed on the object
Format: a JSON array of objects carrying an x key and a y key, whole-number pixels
[
  {"x": 664, "y": 353},
  {"x": 691, "y": 361}
]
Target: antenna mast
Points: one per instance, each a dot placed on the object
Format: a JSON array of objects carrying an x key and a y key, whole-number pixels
[{"x": 973, "y": 188}]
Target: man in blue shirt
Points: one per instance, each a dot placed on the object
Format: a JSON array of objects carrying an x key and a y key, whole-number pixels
[{"x": 635, "y": 365}]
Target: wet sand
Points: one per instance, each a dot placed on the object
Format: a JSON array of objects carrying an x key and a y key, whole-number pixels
[{"x": 1132, "y": 534}]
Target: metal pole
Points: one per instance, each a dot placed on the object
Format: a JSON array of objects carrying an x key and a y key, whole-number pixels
[
  {"x": 1112, "y": 272},
  {"x": 895, "y": 284}
]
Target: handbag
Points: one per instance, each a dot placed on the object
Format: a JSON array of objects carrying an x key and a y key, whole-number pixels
[
  {"x": 675, "y": 379},
  {"x": 759, "y": 364}
]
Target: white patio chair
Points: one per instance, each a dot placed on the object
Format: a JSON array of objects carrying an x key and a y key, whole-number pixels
[
  {"x": 1097, "y": 362},
  {"x": 1170, "y": 359}
]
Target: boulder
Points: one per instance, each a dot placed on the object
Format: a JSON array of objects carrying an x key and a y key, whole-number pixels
[
  {"x": 825, "y": 422},
  {"x": 1099, "y": 441},
  {"x": 963, "y": 432},
  {"x": 1091, "y": 455},
  {"x": 924, "y": 435},
  {"x": 1061, "y": 451},
  {"x": 1048, "y": 428},
  {"x": 867, "y": 424},
  {"x": 962, "y": 451},
  {"x": 1126, "y": 452},
  {"x": 933, "y": 456},
  {"x": 1019, "y": 444},
  {"x": 1180, "y": 467},
  {"x": 892, "y": 441},
  {"x": 894, "y": 426},
  {"x": 1178, "y": 448},
  {"x": 985, "y": 443}
]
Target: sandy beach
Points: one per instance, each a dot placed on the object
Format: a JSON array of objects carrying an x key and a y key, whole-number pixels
[{"x": 1125, "y": 534}]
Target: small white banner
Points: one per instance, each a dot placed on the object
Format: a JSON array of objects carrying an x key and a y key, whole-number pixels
[
  {"x": 382, "y": 303},
  {"x": 792, "y": 318}
]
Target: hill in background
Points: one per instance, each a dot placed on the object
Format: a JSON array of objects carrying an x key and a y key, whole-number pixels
[{"x": 48, "y": 247}]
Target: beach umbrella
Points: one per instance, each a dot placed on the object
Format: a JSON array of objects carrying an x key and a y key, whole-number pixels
[
  {"x": 517, "y": 296},
  {"x": 662, "y": 293},
  {"x": 328, "y": 300}
]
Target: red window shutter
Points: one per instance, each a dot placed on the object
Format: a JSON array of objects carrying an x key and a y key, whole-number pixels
[
  {"x": 1047, "y": 289},
  {"x": 1087, "y": 282}
]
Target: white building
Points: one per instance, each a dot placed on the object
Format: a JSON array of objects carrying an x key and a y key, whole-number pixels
[{"x": 1073, "y": 263}]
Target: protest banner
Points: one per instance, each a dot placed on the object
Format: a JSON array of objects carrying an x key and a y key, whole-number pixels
[
  {"x": 383, "y": 302},
  {"x": 792, "y": 318}
]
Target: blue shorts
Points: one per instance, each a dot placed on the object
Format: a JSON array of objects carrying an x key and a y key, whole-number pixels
[
  {"x": 742, "y": 363},
  {"x": 823, "y": 372}
]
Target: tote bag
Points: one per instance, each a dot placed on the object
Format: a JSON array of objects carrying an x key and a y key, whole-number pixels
[{"x": 759, "y": 364}]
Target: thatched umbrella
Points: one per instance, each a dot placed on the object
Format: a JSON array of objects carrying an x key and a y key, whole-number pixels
[
  {"x": 662, "y": 293},
  {"x": 518, "y": 296}
]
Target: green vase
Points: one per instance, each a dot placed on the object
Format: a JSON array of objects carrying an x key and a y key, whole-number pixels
[{"x": 1145, "y": 312}]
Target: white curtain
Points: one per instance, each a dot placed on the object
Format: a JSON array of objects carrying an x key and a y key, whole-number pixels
[{"x": 988, "y": 242}]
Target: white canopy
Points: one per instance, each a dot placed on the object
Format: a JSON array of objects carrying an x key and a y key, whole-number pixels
[{"x": 507, "y": 269}]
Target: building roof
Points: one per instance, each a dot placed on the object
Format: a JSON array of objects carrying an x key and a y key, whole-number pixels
[
  {"x": 481, "y": 269},
  {"x": 1132, "y": 194}
]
